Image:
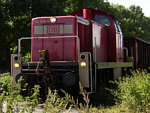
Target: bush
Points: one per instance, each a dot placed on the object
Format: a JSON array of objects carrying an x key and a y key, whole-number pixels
[
  {"x": 5, "y": 82},
  {"x": 10, "y": 96},
  {"x": 27, "y": 57},
  {"x": 133, "y": 95},
  {"x": 134, "y": 91}
]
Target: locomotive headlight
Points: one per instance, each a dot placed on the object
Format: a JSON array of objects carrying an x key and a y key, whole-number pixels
[
  {"x": 53, "y": 19},
  {"x": 16, "y": 65},
  {"x": 83, "y": 64}
]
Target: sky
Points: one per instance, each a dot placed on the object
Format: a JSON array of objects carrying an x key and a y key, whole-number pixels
[{"x": 144, "y": 4}]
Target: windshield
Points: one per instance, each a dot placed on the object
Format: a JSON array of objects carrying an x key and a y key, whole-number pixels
[{"x": 102, "y": 19}]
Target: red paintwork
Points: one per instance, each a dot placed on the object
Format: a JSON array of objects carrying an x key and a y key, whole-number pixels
[
  {"x": 108, "y": 42},
  {"x": 111, "y": 43},
  {"x": 87, "y": 14},
  {"x": 85, "y": 34},
  {"x": 60, "y": 49},
  {"x": 100, "y": 45}
]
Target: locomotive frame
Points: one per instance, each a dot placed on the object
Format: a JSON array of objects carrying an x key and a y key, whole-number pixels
[{"x": 85, "y": 69}]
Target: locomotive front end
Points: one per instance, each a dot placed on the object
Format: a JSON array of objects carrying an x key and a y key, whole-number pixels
[
  {"x": 58, "y": 37},
  {"x": 54, "y": 54}
]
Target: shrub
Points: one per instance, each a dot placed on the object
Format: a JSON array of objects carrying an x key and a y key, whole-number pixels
[
  {"x": 133, "y": 95},
  {"x": 26, "y": 57},
  {"x": 5, "y": 82},
  {"x": 10, "y": 96},
  {"x": 134, "y": 92}
]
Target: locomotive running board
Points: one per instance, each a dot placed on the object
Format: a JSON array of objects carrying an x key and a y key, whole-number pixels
[{"x": 105, "y": 65}]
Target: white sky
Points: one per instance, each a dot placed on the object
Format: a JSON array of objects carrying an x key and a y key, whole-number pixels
[{"x": 144, "y": 4}]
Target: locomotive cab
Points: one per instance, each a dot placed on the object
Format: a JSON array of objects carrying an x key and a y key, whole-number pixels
[{"x": 72, "y": 49}]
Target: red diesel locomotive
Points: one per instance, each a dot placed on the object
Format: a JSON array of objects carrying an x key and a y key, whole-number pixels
[{"x": 65, "y": 50}]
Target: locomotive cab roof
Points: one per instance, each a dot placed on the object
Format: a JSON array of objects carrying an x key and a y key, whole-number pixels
[
  {"x": 93, "y": 12},
  {"x": 100, "y": 17}
]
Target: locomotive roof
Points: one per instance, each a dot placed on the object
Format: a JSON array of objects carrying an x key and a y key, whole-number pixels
[{"x": 80, "y": 12}]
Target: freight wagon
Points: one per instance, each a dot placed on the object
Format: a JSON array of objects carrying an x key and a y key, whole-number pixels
[
  {"x": 83, "y": 47},
  {"x": 139, "y": 50}
]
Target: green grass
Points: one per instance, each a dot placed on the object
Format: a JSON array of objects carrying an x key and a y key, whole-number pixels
[
  {"x": 132, "y": 95},
  {"x": 133, "y": 92}
]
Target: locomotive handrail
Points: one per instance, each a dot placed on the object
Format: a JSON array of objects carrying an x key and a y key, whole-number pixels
[
  {"x": 73, "y": 36},
  {"x": 19, "y": 46},
  {"x": 29, "y": 38}
]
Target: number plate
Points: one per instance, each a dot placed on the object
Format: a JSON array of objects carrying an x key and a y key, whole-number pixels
[{"x": 53, "y": 29}]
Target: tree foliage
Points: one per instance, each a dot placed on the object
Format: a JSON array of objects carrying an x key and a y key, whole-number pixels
[{"x": 16, "y": 15}]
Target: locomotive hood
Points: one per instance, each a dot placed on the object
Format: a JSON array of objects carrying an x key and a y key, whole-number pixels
[{"x": 55, "y": 34}]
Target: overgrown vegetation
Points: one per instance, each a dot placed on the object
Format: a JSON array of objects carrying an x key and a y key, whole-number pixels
[
  {"x": 10, "y": 97},
  {"x": 27, "y": 57},
  {"x": 12, "y": 101},
  {"x": 16, "y": 18},
  {"x": 132, "y": 95},
  {"x": 133, "y": 92}
]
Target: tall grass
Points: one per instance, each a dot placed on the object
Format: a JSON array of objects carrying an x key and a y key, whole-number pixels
[
  {"x": 133, "y": 95},
  {"x": 10, "y": 97},
  {"x": 134, "y": 91}
]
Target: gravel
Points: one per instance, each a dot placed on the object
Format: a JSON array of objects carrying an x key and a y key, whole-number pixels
[{"x": 38, "y": 109}]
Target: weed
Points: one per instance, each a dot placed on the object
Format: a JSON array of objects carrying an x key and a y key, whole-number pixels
[
  {"x": 133, "y": 95},
  {"x": 134, "y": 92}
]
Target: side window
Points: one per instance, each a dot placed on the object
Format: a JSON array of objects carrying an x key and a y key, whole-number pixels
[{"x": 102, "y": 19}]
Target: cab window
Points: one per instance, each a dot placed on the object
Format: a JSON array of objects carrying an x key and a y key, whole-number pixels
[{"x": 102, "y": 19}]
